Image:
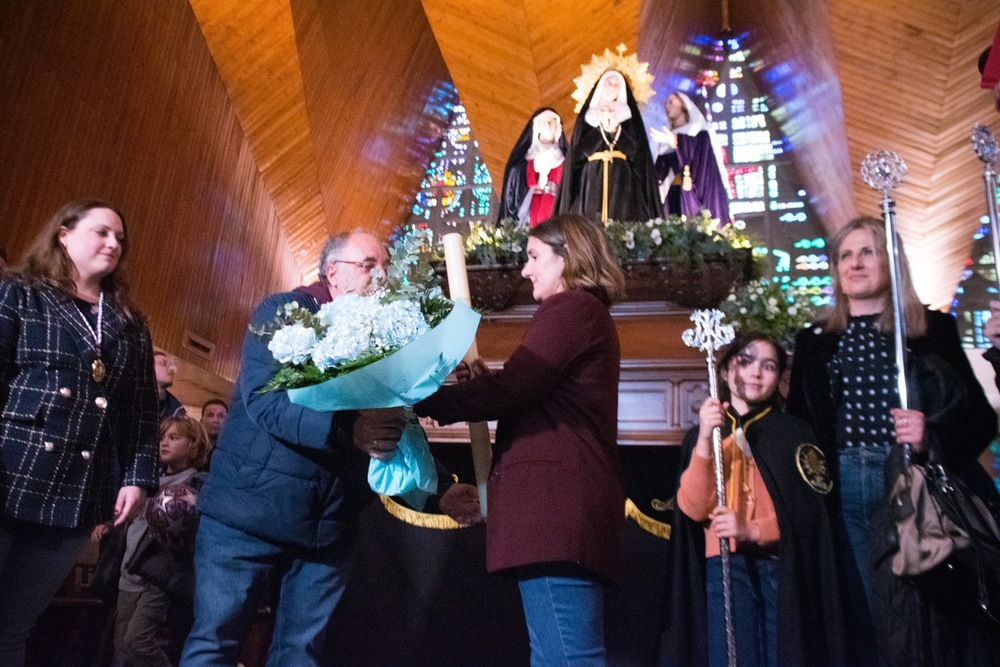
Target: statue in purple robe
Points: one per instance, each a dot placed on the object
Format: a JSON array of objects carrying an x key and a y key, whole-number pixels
[{"x": 689, "y": 163}]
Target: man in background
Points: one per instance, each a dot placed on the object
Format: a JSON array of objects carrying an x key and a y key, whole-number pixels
[
  {"x": 213, "y": 416},
  {"x": 166, "y": 369}
]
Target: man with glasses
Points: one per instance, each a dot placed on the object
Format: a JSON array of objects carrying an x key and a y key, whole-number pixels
[{"x": 280, "y": 503}]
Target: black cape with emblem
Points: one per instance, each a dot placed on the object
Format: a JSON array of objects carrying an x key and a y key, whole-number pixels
[
  {"x": 633, "y": 193},
  {"x": 810, "y": 612}
]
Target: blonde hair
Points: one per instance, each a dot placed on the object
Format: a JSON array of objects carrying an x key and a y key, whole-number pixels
[
  {"x": 199, "y": 446},
  {"x": 913, "y": 311},
  {"x": 590, "y": 264}
]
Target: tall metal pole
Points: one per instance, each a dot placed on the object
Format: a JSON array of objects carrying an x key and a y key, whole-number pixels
[
  {"x": 708, "y": 335},
  {"x": 884, "y": 171},
  {"x": 988, "y": 151}
]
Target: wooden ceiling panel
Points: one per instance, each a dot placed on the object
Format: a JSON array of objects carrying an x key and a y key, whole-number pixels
[
  {"x": 377, "y": 94},
  {"x": 909, "y": 83},
  {"x": 509, "y": 57},
  {"x": 253, "y": 44},
  {"x": 664, "y": 29}
]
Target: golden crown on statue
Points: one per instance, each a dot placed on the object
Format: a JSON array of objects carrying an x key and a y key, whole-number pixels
[{"x": 637, "y": 74}]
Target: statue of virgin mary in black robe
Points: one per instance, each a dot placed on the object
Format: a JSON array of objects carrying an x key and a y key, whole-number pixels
[{"x": 609, "y": 172}]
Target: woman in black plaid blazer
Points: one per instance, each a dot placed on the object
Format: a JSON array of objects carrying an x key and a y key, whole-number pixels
[{"x": 78, "y": 433}]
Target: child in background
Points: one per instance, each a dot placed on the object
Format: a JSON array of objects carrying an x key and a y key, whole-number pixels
[{"x": 157, "y": 577}]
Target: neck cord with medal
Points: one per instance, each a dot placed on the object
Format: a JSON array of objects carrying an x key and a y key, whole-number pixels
[{"x": 97, "y": 368}]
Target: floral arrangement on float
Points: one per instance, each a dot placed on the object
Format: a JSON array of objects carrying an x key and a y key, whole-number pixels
[
  {"x": 391, "y": 347},
  {"x": 495, "y": 251},
  {"x": 693, "y": 262},
  {"x": 678, "y": 240},
  {"x": 496, "y": 244},
  {"x": 763, "y": 305}
]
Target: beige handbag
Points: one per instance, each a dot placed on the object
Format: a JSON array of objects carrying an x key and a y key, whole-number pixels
[
  {"x": 927, "y": 535},
  {"x": 948, "y": 539}
]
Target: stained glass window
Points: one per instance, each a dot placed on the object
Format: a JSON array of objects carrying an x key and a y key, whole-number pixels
[
  {"x": 768, "y": 198},
  {"x": 976, "y": 287},
  {"x": 457, "y": 186}
]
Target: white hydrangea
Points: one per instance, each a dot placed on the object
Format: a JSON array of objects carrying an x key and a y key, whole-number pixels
[
  {"x": 630, "y": 240},
  {"x": 655, "y": 235},
  {"x": 397, "y": 323},
  {"x": 360, "y": 326},
  {"x": 292, "y": 344}
]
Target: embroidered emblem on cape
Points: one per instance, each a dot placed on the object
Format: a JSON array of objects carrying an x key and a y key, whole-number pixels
[{"x": 811, "y": 462}]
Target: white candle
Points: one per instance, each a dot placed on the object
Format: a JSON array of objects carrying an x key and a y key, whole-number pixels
[
  {"x": 458, "y": 290},
  {"x": 458, "y": 279}
]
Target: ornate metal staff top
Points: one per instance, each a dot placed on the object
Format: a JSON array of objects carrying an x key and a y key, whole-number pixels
[
  {"x": 985, "y": 144},
  {"x": 988, "y": 152},
  {"x": 884, "y": 171},
  {"x": 708, "y": 335}
]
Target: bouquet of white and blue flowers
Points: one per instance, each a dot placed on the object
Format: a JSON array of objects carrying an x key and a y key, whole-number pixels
[{"x": 392, "y": 347}]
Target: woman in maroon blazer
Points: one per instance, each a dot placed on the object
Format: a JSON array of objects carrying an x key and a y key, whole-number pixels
[{"x": 555, "y": 495}]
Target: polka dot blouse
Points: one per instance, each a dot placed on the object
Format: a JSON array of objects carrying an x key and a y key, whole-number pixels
[{"x": 863, "y": 385}]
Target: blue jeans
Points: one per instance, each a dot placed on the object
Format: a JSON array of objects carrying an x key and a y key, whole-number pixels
[
  {"x": 34, "y": 562},
  {"x": 755, "y": 610},
  {"x": 232, "y": 574},
  {"x": 862, "y": 488},
  {"x": 564, "y": 610}
]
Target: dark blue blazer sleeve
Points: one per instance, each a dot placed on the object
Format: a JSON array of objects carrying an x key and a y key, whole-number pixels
[{"x": 271, "y": 410}]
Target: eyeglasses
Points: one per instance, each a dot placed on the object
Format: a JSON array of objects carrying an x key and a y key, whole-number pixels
[{"x": 367, "y": 265}]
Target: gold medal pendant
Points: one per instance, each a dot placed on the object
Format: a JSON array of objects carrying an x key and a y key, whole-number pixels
[{"x": 97, "y": 370}]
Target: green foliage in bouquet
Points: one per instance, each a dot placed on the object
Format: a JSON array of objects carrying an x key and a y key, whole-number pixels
[
  {"x": 764, "y": 306},
  {"x": 410, "y": 275}
]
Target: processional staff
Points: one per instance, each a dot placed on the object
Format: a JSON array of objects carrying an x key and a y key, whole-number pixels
[
  {"x": 708, "y": 335},
  {"x": 988, "y": 151},
  {"x": 458, "y": 289},
  {"x": 884, "y": 171}
]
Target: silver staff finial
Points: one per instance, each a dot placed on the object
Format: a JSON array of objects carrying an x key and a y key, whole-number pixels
[
  {"x": 985, "y": 144},
  {"x": 883, "y": 170},
  {"x": 709, "y": 333}
]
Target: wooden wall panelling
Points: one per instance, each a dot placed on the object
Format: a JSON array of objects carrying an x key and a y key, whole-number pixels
[
  {"x": 909, "y": 83},
  {"x": 136, "y": 113},
  {"x": 377, "y": 96},
  {"x": 509, "y": 57}
]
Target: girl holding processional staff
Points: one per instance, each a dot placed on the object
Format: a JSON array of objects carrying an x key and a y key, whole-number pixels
[{"x": 786, "y": 605}]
